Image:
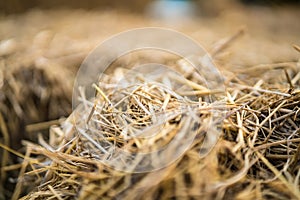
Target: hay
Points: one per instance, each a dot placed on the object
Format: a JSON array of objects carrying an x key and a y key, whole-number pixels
[
  {"x": 257, "y": 156},
  {"x": 30, "y": 94}
]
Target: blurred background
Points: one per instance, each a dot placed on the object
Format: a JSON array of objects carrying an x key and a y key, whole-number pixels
[{"x": 138, "y": 6}]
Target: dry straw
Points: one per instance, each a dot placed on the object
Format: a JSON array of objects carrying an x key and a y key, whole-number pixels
[{"x": 256, "y": 157}]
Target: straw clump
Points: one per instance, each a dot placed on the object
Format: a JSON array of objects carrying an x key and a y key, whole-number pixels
[{"x": 256, "y": 156}]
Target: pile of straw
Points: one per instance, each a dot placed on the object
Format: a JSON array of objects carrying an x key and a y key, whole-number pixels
[{"x": 256, "y": 156}]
